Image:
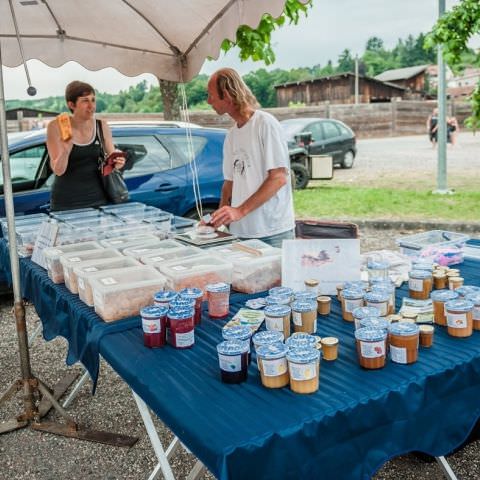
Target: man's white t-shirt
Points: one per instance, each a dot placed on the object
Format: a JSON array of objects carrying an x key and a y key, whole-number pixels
[{"x": 249, "y": 153}]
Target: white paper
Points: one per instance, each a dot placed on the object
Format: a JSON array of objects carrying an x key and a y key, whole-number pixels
[{"x": 46, "y": 238}]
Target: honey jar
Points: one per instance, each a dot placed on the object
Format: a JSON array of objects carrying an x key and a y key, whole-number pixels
[
  {"x": 360, "y": 313},
  {"x": 330, "y": 348},
  {"x": 455, "y": 282},
  {"x": 403, "y": 342},
  {"x": 277, "y": 317},
  {"x": 323, "y": 305},
  {"x": 419, "y": 284},
  {"x": 304, "y": 316},
  {"x": 378, "y": 299},
  {"x": 371, "y": 347},
  {"x": 351, "y": 299},
  {"x": 304, "y": 369},
  {"x": 440, "y": 280},
  {"x": 439, "y": 297},
  {"x": 426, "y": 335},
  {"x": 459, "y": 314},
  {"x": 388, "y": 287},
  {"x": 475, "y": 298},
  {"x": 272, "y": 364},
  {"x": 281, "y": 291}
]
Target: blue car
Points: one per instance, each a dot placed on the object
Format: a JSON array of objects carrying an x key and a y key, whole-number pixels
[{"x": 157, "y": 172}]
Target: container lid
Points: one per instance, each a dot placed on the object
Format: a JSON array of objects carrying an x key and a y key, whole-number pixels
[
  {"x": 165, "y": 296},
  {"x": 311, "y": 282},
  {"x": 272, "y": 351},
  {"x": 443, "y": 295},
  {"x": 267, "y": 336},
  {"x": 329, "y": 340},
  {"x": 377, "y": 323},
  {"x": 420, "y": 274},
  {"x": 182, "y": 302},
  {"x": 193, "y": 292},
  {"x": 422, "y": 265},
  {"x": 237, "y": 332},
  {"x": 461, "y": 305},
  {"x": 277, "y": 310},
  {"x": 356, "y": 285},
  {"x": 464, "y": 290},
  {"x": 218, "y": 287},
  {"x": 280, "y": 291},
  {"x": 301, "y": 339},
  {"x": 377, "y": 296},
  {"x": 153, "y": 311},
  {"x": 383, "y": 285},
  {"x": 364, "y": 312},
  {"x": 305, "y": 296},
  {"x": 370, "y": 334},
  {"x": 473, "y": 297},
  {"x": 303, "y": 355},
  {"x": 403, "y": 328},
  {"x": 304, "y": 306},
  {"x": 180, "y": 313},
  {"x": 426, "y": 328},
  {"x": 280, "y": 299},
  {"x": 232, "y": 347},
  {"x": 373, "y": 265},
  {"x": 353, "y": 293}
]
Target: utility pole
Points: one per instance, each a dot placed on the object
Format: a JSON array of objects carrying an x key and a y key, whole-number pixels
[{"x": 356, "y": 79}]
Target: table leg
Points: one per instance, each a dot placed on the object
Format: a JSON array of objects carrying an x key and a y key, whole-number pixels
[
  {"x": 446, "y": 469},
  {"x": 76, "y": 389}
]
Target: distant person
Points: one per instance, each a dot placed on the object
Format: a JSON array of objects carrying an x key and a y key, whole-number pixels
[
  {"x": 432, "y": 126},
  {"x": 256, "y": 199},
  {"x": 452, "y": 130}
]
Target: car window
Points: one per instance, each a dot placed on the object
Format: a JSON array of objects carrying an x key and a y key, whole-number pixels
[
  {"x": 330, "y": 130},
  {"x": 179, "y": 147},
  {"x": 24, "y": 164},
  {"x": 344, "y": 130},
  {"x": 316, "y": 129}
]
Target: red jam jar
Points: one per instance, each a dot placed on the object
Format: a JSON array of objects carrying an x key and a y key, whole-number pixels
[
  {"x": 233, "y": 360},
  {"x": 154, "y": 325},
  {"x": 180, "y": 332},
  {"x": 197, "y": 295},
  {"x": 218, "y": 296}
]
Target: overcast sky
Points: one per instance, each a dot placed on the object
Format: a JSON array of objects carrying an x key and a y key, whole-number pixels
[{"x": 331, "y": 26}]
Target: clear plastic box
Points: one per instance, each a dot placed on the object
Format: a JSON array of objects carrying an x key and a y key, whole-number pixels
[
  {"x": 123, "y": 242},
  {"x": 107, "y": 221},
  {"x": 65, "y": 215},
  {"x": 34, "y": 220},
  {"x": 71, "y": 260},
  {"x": 412, "y": 244},
  {"x": 122, "y": 206},
  {"x": 162, "y": 256},
  {"x": 90, "y": 269},
  {"x": 253, "y": 243},
  {"x": 144, "y": 249},
  {"x": 52, "y": 257},
  {"x": 26, "y": 236},
  {"x": 131, "y": 229},
  {"x": 123, "y": 292},
  {"x": 196, "y": 271}
]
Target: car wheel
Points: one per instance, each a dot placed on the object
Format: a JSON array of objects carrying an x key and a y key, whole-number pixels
[
  {"x": 302, "y": 176},
  {"x": 194, "y": 215},
  {"x": 348, "y": 159}
]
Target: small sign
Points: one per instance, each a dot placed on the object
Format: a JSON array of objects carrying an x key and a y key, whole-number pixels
[{"x": 46, "y": 238}]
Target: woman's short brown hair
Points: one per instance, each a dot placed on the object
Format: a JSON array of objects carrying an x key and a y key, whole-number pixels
[{"x": 77, "y": 89}]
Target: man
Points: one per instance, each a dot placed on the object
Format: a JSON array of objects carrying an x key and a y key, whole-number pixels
[{"x": 256, "y": 199}]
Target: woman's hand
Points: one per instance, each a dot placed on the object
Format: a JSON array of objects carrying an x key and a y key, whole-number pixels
[{"x": 119, "y": 163}]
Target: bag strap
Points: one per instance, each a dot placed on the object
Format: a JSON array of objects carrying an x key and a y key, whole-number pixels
[{"x": 101, "y": 138}]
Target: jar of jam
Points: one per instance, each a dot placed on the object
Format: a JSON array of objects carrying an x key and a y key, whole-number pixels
[
  {"x": 281, "y": 291},
  {"x": 304, "y": 316},
  {"x": 376, "y": 323},
  {"x": 280, "y": 299},
  {"x": 459, "y": 314},
  {"x": 330, "y": 348},
  {"x": 197, "y": 295},
  {"x": 455, "y": 282},
  {"x": 305, "y": 296},
  {"x": 352, "y": 299},
  {"x": 420, "y": 284},
  {"x": 475, "y": 298},
  {"x": 323, "y": 305},
  {"x": 439, "y": 297},
  {"x": 360, "y": 313},
  {"x": 426, "y": 335},
  {"x": 154, "y": 325},
  {"x": 277, "y": 317},
  {"x": 180, "y": 332},
  {"x": 218, "y": 296},
  {"x": 304, "y": 369},
  {"x": 371, "y": 347},
  {"x": 233, "y": 361},
  {"x": 388, "y": 287},
  {"x": 238, "y": 332},
  {"x": 379, "y": 299},
  {"x": 403, "y": 339},
  {"x": 272, "y": 364},
  {"x": 440, "y": 280},
  {"x": 377, "y": 270},
  {"x": 164, "y": 298}
]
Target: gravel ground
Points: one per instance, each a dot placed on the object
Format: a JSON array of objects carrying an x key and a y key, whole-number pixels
[{"x": 26, "y": 454}]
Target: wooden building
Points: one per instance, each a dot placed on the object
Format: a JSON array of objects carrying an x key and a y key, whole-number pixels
[
  {"x": 339, "y": 88},
  {"x": 411, "y": 78}
]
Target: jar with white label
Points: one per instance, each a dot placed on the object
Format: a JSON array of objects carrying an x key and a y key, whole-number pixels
[
  {"x": 386, "y": 286},
  {"x": 360, "y": 313},
  {"x": 475, "y": 298},
  {"x": 164, "y": 297},
  {"x": 351, "y": 299},
  {"x": 197, "y": 295},
  {"x": 459, "y": 314},
  {"x": 272, "y": 364},
  {"x": 233, "y": 361},
  {"x": 439, "y": 297},
  {"x": 218, "y": 296},
  {"x": 180, "y": 331},
  {"x": 455, "y": 282},
  {"x": 379, "y": 299},
  {"x": 277, "y": 317},
  {"x": 238, "y": 332},
  {"x": 304, "y": 369},
  {"x": 304, "y": 315},
  {"x": 371, "y": 347},
  {"x": 266, "y": 337},
  {"x": 154, "y": 325},
  {"x": 403, "y": 340},
  {"x": 420, "y": 284}
]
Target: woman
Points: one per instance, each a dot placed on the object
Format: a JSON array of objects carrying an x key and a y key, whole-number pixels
[{"x": 74, "y": 162}]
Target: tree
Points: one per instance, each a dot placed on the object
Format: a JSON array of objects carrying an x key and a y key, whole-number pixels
[
  {"x": 346, "y": 62},
  {"x": 453, "y": 31},
  {"x": 374, "y": 44}
]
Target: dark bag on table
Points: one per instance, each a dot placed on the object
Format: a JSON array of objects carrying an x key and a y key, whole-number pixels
[
  {"x": 311, "y": 228},
  {"x": 112, "y": 180}
]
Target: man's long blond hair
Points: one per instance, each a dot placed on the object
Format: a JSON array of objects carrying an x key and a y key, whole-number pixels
[{"x": 227, "y": 80}]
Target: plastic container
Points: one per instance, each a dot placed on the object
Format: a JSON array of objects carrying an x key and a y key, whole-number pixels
[
  {"x": 104, "y": 221},
  {"x": 412, "y": 244},
  {"x": 218, "y": 296},
  {"x": 164, "y": 255},
  {"x": 465, "y": 290},
  {"x": 233, "y": 361},
  {"x": 371, "y": 346},
  {"x": 197, "y": 295},
  {"x": 154, "y": 325},
  {"x": 304, "y": 316},
  {"x": 305, "y": 296},
  {"x": 273, "y": 366},
  {"x": 377, "y": 270},
  {"x": 403, "y": 340},
  {"x": 352, "y": 298},
  {"x": 426, "y": 335},
  {"x": 376, "y": 323},
  {"x": 132, "y": 229},
  {"x": 93, "y": 268},
  {"x": 282, "y": 291},
  {"x": 360, "y": 313},
  {"x": 455, "y": 282},
  {"x": 180, "y": 328},
  {"x": 277, "y": 317},
  {"x": 26, "y": 236},
  {"x": 52, "y": 257},
  {"x": 385, "y": 286},
  {"x": 420, "y": 284},
  {"x": 263, "y": 248},
  {"x": 459, "y": 313},
  {"x": 330, "y": 348},
  {"x": 439, "y": 298},
  {"x": 304, "y": 370},
  {"x": 66, "y": 215},
  {"x": 112, "y": 208},
  {"x": 128, "y": 241},
  {"x": 123, "y": 292},
  {"x": 284, "y": 299},
  {"x": 379, "y": 299},
  {"x": 475, "y": 298}
]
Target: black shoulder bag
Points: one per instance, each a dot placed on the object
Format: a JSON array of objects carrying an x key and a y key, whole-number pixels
[{"x": 113, "y": 183}]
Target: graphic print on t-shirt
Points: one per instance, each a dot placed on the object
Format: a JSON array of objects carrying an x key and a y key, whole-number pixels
[{"x": 241, "y": 162}]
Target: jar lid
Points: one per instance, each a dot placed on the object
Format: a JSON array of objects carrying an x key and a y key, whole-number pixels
[
  {"x": 232, "y": 347},
  {"x": 193, "y": 292},
  {"x": 301, "y": 339},
  {"x": 364, "y": 312},
  {"x": 461, "y": 305},
  {"x": 267, "y": 336},
  {"x": 355, "y": 284},
  {"x": 280, "y": 299},
  {"x": 182, "y": 302},
  {"x": 473, "y": 297},
  {"x": 219, "y": 287},
  {"x": 272, "y": 351},
  {"x": 277, "y": 310},
  {"x": 443, "y": 295},
  {"x": 383, "y": 285},
  {"x": 464, "y": 290},
  {"x": 280, "y": 291},
  {"x": 422, "y": 265},
  {"x": 373, "y": 265},
  {"x": 180, "y": 313},
  {"x": 237, "y": 332},
  {"x": 304, "y": 306},
  {"x": 324, "y": 299},
  {"x": 353, "y": 293},
  {"x": 311, "y": 282},
  {"x": 420, "y": 274},
  {"x": 165, "y": 296},
  {"x": 378, "y": 323},
  {"x": 305, "y": 296},
  {"x": 377, "y": 296},
  {"x": 329, "y": 340},
  {"x": 303, "y": 355},
  {"x": 153, "y": 311},
  {"x": 370, "y": 334},
  {"x": 426, "y": 328},
  {"x": 403, "y": 329}
]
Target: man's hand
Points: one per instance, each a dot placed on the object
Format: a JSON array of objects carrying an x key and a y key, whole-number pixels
[{"x": 225, "y": 216}]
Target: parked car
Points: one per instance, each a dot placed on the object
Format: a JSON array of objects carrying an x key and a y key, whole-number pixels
[
  {"x": 158, "y": 171},
  {"x": 328, "y": 137}
]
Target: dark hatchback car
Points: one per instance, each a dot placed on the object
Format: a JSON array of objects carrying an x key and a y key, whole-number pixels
[
  {"x": 328, "y": 137},
  {"x": 158, "y": 171}
]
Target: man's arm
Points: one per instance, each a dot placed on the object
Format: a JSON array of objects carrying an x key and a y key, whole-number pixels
[{"x": 226, "y": 198}]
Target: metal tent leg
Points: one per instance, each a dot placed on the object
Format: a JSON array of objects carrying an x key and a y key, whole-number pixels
[{"x": 446, "y": 469}]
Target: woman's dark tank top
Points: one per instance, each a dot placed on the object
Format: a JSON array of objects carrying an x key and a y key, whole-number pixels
[{"x": 80, "y": 186}]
